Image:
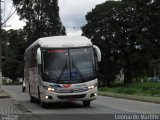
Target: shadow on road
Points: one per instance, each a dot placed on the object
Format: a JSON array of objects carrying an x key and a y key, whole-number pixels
[{"x": 63, "y": 105}]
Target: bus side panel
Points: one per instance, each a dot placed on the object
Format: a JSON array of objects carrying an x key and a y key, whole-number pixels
[
  {"x": 26, "y": 78},
  {"x": 33, "y": 73}
]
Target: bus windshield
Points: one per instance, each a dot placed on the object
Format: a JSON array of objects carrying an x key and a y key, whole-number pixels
[{"x": 69, "y": 65}]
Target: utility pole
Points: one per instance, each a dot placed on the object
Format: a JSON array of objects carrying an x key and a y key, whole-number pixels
[{"x": 0, "y": 47}]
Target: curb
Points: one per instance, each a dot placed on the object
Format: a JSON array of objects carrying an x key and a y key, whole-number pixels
[
  {"x": 132, "y": 97},
  {"x": 3, "y": 94}
]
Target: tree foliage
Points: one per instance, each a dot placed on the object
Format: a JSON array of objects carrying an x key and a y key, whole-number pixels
[
  {"x": 128, "y": 35},
  {"x": 13, "y": 47},
  {"x": 41, "y": 17}
]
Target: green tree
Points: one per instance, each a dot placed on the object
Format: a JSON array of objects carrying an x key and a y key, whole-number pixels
[
  {"x": 102, "y": 30},
  {"x": 13, "y": 47},
  {"x": 41, "y": 16},
  {"x": 125, "y": 31}
]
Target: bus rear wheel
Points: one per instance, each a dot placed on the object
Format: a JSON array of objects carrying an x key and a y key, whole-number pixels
[
  {"x": 86, "y": 103},
  {"x": 32, "y": 99}
]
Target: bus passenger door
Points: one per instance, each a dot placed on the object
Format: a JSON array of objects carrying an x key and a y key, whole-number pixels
[{"x": 34, "y": 81}]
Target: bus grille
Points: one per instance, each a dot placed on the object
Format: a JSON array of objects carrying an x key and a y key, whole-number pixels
[
  {"x": 71, "y": 96},
  {"x": 76, "y": 90}
]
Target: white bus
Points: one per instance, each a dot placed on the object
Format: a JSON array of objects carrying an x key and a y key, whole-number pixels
[{"x": 62, "y": 68}]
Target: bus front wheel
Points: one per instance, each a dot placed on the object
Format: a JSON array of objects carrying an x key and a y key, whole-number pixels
[
  {"x": 42, "y": 104},
  {"x": 32, "y": 99},
  {"x": 86, "y": 103}
]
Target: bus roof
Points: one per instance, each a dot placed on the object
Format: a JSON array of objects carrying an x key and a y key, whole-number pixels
[{"x": 62, "y": 42}]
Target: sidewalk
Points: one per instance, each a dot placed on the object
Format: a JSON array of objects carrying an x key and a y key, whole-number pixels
[
  {"x": 3, "y": 94},
  {"x": 10, "y": 109},
  {"x": 7, "y": 105}
]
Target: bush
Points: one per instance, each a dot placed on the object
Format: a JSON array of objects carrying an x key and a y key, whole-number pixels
[
  {"x": 126, "y": 90},
  {"x": 130, "y": 91},
  {"x": 103, "y": 89},
  {"x": 120, "y": 90},
  {"x": 154, "y": 91},
  {"x": 151, "y": 88},
  {"x": 147, "y": 88}
]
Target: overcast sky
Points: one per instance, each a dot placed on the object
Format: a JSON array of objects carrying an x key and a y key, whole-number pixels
[{"x": 72, "y": 14}]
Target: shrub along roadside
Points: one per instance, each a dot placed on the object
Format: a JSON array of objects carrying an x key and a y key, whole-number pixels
[{"x": 143, "y": 89}]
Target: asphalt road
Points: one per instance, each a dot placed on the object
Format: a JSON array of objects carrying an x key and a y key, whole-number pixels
[{"x": 103, "y": 107}]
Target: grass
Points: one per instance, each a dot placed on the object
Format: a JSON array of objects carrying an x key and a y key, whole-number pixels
[{"x": 143, "y": 89}]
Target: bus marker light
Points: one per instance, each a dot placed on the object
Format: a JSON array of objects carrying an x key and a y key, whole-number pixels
[
  {"x": 93, "y": 95},
  {"x": 46, "y": 97},
  {"x": 49, "y": 97}
]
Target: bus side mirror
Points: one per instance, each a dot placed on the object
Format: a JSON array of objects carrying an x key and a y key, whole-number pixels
[
  {"x": 39, "y": 56},
  {"x": 98, "y": 53}
]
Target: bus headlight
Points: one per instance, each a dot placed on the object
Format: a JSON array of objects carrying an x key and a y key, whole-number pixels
[
  {"x": 92, "y": 86},
  {"x": 49, "y": 88}
]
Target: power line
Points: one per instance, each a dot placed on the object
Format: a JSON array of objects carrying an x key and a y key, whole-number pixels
[
  {"x": 10, "y": 11},
  {"x": 4, "y": 9},
  {"x": 8, "y": 18},
  {"x": 9, "y": 15}
]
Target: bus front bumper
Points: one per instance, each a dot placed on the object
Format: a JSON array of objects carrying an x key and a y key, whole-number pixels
[{"x": 49, "y": 96}]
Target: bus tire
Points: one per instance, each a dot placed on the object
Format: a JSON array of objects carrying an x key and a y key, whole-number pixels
[
  {"x": 23, "y": 89},
  {"x": 42, "y": 104},
  {"x": 29, "y": 89},
  {"x": 32, "y": 99},
  {"x": 86, "y": 103}
]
